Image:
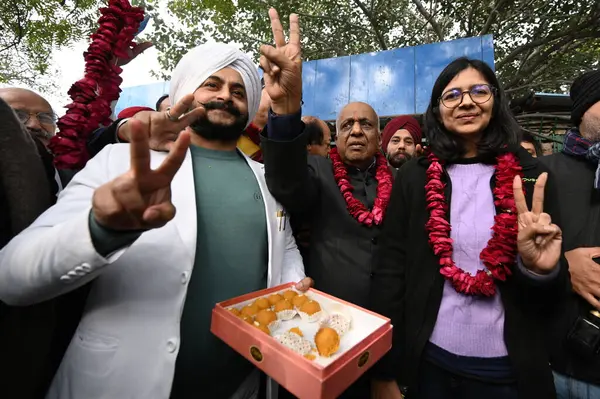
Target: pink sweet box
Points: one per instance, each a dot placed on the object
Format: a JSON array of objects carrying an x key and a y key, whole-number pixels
[{"x": 367, "y": 340}]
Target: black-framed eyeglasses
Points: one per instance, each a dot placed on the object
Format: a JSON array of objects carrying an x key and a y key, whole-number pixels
[
  {"x": 45, "y": 118},
  {"x": 479, "y": 94}
]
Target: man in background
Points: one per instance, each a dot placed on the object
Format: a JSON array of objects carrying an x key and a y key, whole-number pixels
[
  {"x": 401, "y": 140},
  {"x": 319, "y": 136},
  {"x": 531, "y": 144}
]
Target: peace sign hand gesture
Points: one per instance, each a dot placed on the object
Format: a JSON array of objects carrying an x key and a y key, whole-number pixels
[
  {"x": 162, "y": 128},
  {"x": 140, "y": 198},
  {"x": 282, "y": 65},
  {"x": 539, "y": 240}
]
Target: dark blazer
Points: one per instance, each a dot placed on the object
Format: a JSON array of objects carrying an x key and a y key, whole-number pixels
[
  {"x": 407, "y": 286},
  {"x": 34, "y": 338},
  {"x": 342, "y": 250},
  {"x": 580, "y": 213}
]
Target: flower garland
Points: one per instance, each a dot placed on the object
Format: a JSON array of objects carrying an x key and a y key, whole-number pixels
[
  {"x": 92, "y": 96},
  {"x": 501, "y": 251},
  {"x": 357, "y": 209}
]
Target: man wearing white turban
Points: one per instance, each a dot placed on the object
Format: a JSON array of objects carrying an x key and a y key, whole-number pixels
[{"x": 156, "y": 274}]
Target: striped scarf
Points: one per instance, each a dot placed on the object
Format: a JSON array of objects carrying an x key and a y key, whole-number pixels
[{"x": 578, "y": 146}]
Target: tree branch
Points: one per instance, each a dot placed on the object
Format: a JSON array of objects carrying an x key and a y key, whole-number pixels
[
  {"x": 491, "y": 18},
  {"x": 535, "y": 43},
  {"x": 373, "y": 22},
  {"x": 436, "y": 27},
  {"x": 340, "y": 21}
]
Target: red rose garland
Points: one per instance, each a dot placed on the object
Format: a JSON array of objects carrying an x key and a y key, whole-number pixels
[
  {"x": 92, "y": 96},
  {"x": 500, "y": 254},
  {"x": 383, "y": 175}
]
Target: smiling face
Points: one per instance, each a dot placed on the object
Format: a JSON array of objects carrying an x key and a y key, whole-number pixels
[
  {"x": 357, "y": 134},
  {"x": 467, "y": 104},
  {"x": 223, "y": 95}
]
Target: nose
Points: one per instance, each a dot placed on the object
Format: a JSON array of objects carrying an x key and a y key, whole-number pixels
[
  {"x": 33, "y": 123},
  {"x": 224, "y": 94},
  {"x": 467, "y": 101},
  {"x": 356, "y": 129}
]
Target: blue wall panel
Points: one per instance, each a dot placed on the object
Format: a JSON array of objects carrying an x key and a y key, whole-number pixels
[
  {"x": 394, "y": 82},
  {"x": 145, "y": 95},
  {"x": 394, "y": 88},
  {"x": 431, "y": 59}
]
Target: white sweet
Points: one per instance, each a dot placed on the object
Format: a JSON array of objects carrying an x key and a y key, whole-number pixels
[{"x": 294, "y": 342}]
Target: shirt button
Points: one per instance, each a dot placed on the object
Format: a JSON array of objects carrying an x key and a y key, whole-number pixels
[
  {"x": 172, "y": 345},
  {"x": 86, "y": 267},
  {"x": 184, "y": 277},
  {"x": 374, "y": 240},
  {"x": 371, "y": 274}
]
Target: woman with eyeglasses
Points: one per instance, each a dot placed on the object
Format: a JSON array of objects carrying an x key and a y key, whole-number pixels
[{"x": 470, "y": 253}]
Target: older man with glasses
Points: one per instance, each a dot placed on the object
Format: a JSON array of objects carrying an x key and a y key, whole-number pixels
[{"x": 33, "y": 111}]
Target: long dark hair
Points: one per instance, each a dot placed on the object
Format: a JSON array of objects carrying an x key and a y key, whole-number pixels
[{"x": 501, "y": 134}]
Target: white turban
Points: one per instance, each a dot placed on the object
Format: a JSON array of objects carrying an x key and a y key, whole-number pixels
[{"x": 206, "y": 59}]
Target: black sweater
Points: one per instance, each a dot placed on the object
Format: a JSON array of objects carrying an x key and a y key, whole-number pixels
[
  {"x": 407, "y": 287},
  {"x": 580, "y": 212}
]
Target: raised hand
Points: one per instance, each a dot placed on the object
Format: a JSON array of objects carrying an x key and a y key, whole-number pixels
[
  {"x": 140, "y": 198},
  {"x": 282, "y": 66},
  {"x": 132, "y": 53},
  {"x": 539, "y": 240},
  {"x": 163, "y": 127}
]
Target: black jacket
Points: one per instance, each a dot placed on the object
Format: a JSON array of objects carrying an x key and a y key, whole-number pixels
[
  {"x": 342, "y": 250},
  {"x": 408, "y": 287},
  {"x": 580, "y": 212}
]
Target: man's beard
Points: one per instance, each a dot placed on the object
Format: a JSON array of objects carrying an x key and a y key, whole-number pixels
[
  {"x": 397, "y": 161},
  {"x": 590, "y": 128},
  {"x": 218, "y": 132}
]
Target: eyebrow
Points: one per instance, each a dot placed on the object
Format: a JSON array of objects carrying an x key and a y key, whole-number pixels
[
  {"x": 470, "y": 87},
  {"x": 354, "y": 120},
  {"x": 235, "y": 85}
]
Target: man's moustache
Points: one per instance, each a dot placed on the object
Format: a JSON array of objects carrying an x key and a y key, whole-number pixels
[{"x": 224, "y": 106}]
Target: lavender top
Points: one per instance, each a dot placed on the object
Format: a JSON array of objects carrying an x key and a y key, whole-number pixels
[{"x": 470, "y": 325}]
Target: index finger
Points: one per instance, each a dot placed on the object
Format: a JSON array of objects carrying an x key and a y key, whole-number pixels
[
  {"x": 191, "y": 116},
  {"x": 537, "y": 203},
  {"x": 294, "y": 29},
  {"x": 518, "y": 195},
  {"x": 139, "y": 149},
  {"x": 182, "y": 106},
  {"x": 176, "y": 156},
  {"x": 277, "y": 28}
]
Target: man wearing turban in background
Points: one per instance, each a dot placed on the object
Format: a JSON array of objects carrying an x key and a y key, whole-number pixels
[
  {"x": 401, "y": 140},
  {"x": 156, "y": 274}
]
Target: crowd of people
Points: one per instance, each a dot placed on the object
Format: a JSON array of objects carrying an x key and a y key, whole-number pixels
[{"x": 482, "y": 252}]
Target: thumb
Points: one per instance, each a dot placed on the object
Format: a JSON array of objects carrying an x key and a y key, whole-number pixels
[
  {"x": 158, "y": 215},
  {"x": 419, "y": 149},
  {"x": 139, "y": 48},
  {"x": 304, "y": 284}
]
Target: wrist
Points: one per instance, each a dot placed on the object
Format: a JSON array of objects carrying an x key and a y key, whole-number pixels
[
  {"x": 286, "y": 107},
  {"x": 120, "y": 130},
  {"x": 532, "y": 268}
]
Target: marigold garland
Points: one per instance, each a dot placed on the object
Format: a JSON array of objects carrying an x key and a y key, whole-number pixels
[
  {"x": 357, "y": 209},
  {"x": 501, "y": 252},
  {"x": 92, "y": 96}
]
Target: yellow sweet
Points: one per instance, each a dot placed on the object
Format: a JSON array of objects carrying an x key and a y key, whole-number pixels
[
  {"x": 299, "y": 300},
  {"x": 262, "y": 303},
  {"x": 289, "y": 295},
  {"x": 297, "y": 331},
  {"x": 250, "y": 310},
  {"x": 327, "y": 341},
  {"x": 310, "y": 307},
  {"x": 266, "y": 317},
  {"x": 273, "y": 299},
  {"x": 283, "y": 305}
]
